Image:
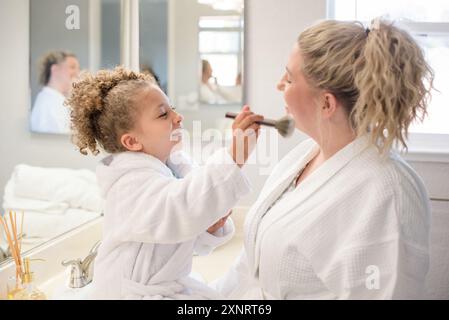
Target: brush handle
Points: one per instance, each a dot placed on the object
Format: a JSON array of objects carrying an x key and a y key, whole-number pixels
[{"x": 265, "y": 122}]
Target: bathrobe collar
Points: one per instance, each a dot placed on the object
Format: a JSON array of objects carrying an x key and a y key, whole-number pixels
[
  {"x": 308, "y": 187},
  {"x": 114, "y": 166}
]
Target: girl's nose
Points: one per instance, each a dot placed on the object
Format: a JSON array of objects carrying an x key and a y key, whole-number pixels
[{"x": 178, "y": 117}]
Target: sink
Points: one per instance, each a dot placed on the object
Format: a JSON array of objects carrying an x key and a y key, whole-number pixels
[
  {"x": 50, "y": 275},
  {"x": 52, "y": 278},
  {"x": 58, "y": 289}
]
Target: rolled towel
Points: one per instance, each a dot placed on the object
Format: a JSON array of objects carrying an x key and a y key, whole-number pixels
[{"x": 76, "y": 188}]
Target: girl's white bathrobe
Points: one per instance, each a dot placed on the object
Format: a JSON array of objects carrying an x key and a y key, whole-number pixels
[
  {"x": 155, "y": 217},
  {"x": 356, "y": 228}
]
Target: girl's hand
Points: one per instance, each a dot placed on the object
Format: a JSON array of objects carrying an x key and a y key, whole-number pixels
[
  {"x": 245, "y": 132},
  {"x": 220, "y": 223}
]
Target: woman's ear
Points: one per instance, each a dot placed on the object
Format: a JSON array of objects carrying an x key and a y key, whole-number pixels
[
  {"x": 54, "y": 68},
  {"x": 329, "y": 106},
  {"x": 130, "y": 142}
]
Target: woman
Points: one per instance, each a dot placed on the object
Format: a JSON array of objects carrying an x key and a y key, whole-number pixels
[
  {"x": 58, "y": 71},
  {"x": 211, "y": 92},
  {"x": 342, "y": 216}
]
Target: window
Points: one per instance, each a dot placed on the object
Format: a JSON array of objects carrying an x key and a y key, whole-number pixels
[
  {"x": 428, "y": 22},
  {"x": 221, "y": 43},
  {"x": 409, "y": 10}
]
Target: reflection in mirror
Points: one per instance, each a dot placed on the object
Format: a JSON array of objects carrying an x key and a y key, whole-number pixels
[
  {"x": 153, "y": 46},
  {"x": 57, "y": 71},
  {"x": 220, "y": 46},
  {"x": 52, "y": 202},
  {"x": 66, "y": 36},
  {"x": 195, "y": 49}
]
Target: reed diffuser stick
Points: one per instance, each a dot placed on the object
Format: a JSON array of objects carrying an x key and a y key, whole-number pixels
[
  {"x": 19, "y": 269},
  {"x": 8, "y": 237},
  {"x": 12, "y": 218},
  {"x": 14, "y": 238},
  {"x": 11, "y": 236},
  {"x": 21, "y": 232}
]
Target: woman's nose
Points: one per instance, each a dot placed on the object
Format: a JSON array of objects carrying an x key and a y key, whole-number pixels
[{"x": 281, "y": 85}]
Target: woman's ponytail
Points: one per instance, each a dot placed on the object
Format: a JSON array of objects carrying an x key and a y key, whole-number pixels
[
  {"x": 378, "y": 74},
  {"x": 394, "y": 81}
]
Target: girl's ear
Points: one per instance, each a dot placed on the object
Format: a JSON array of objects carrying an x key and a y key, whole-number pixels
[
  {"x": 329, "y": 106},
  {"x": 130, "y": 142}
]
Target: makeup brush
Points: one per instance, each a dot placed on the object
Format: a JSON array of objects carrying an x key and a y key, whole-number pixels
[{"x": 285, "y": 125}]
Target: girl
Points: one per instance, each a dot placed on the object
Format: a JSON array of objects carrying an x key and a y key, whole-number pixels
[{"x": 157, "y": 207}]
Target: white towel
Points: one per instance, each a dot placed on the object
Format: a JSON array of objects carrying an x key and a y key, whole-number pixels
[
  {"x": 52, "y": 190},
  {"x": 19, "y": 204}
]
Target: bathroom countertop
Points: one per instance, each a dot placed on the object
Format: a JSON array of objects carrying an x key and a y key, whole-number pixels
[
  {"x": 75, "y": 244},
  {"x": 219, "y": 261},
  {"x": 210, "y": 268},
  {"x": 216, "y": 264}
]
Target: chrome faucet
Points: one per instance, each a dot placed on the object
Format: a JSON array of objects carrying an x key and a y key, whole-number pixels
[{"x": 82, "y": 271}]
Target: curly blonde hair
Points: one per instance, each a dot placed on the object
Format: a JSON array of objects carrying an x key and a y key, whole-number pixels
[
  {"x": 103, "y": 108},
  {"x": 379, "y": 75}
]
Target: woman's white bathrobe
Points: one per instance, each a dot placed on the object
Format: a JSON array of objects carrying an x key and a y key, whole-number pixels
[
  {"x": 155, "y": 220},
  {"x": 356, "y": 228}
]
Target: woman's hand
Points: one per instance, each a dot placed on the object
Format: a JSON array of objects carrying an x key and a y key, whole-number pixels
[
  {"x": 245, "y": 132},
  {"x": 220, "y": 223}
]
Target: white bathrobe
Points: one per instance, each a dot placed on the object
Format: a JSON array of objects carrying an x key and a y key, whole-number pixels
[
  {"x": 356, "y": 228},
  {"x": 155, "y": 217},
  {"x": 49, "y": 114}
]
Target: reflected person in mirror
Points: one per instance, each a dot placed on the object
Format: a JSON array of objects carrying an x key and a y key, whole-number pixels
[
  {"x": 212, "y": 93},
  {"x": 147, "y": 69},
  {"x": 58, "y": 70}
]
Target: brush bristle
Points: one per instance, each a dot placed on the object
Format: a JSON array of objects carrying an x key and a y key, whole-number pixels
[{"x": 285, "y": 126}]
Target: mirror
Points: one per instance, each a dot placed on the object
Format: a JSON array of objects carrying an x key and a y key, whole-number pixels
[
  {"x": 52, "y": 199},
  {"x": 67, "y": 36},
  {"x": 195, "y": 49}
]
